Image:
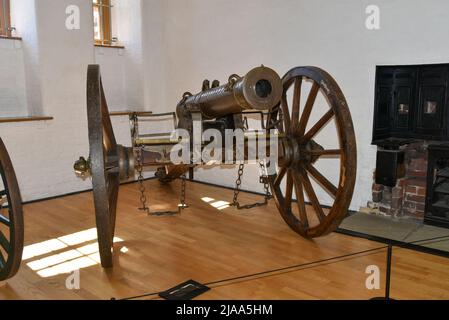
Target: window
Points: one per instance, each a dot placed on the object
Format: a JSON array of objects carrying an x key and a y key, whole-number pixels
[
  {"x": 5, "y": 19},
  {"x": 102, "y": 22}
]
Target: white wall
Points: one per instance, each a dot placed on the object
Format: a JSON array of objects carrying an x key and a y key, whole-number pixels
[
  {"x": 13, "y": 100},
  {"x": 207, "y": 39},
  {"x": 122, "y": 69},
  {"x": 172, "y": 45},
  {"x": 43, "y": 153},
  {"x": 112, "y": 64},
  {"x": 25, "y": 20},
  {"x": 157, "y": 54},
  {"x": 129, "y": 32}
]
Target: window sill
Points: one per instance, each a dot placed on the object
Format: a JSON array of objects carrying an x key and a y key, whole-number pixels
[
  {"x": 109, "y": 46},
  {"x": 25, "y": 119},
  {"x": 11, "y": 38},
  {"x": 128, "y": 113}
]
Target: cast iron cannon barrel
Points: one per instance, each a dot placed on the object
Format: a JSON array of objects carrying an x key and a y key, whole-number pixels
[{"x": 259, "y": 89}]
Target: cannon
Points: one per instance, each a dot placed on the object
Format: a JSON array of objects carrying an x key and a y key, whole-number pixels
[
  {"x": 11, "y": 218},
  {"x": 225, "y": 107}
]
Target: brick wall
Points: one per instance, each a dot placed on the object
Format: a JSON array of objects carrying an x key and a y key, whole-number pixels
[{"x": 407, "y": 198}]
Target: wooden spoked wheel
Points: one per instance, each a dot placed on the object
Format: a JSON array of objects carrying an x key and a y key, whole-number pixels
[
  {"x": 299, "y": 152},
  {"x": 11, "y": 218},
  {"x": 104, "y": 164}
]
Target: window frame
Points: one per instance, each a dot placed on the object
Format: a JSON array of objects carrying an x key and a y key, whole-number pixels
[
  {"x": 5, "y": 18},
  {"x": 105, "y": 21}
]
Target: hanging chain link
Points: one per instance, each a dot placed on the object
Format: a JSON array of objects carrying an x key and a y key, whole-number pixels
[
  {"x": 183, "y": 192},
  {"x": 143, "y": 198},
  {"x": 238, "y": 184},
  {"x": 264, "y": 179}
]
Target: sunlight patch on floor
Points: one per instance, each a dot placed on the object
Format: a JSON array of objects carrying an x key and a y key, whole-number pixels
[
  {"x": 67, "y": 253},
  {"x": 217, "y": 204}
]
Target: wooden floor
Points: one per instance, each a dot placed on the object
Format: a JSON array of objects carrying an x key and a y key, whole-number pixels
[{"x": 209, "y": 243}]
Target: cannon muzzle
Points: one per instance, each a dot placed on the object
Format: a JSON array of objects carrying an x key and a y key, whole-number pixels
[{"x": 260, "y": 89}]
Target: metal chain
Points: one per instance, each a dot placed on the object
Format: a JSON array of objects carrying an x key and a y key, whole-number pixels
[
  {"x": 264, "y": 180},
  {"x": 183, "y": 192},
  {"x": 143, "y": 198},
  {"x": 238, "y": 183},
  {"x": 139, "y": 167}
]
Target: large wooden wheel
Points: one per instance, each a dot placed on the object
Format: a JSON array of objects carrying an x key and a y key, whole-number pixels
[
  {"x": 11, "y": 218},
  {"x": 299, "y": 153},
  {"x": 104, "y": 164}
]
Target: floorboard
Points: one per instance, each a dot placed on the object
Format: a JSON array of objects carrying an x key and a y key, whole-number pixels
[{"x": 209, "y": 242}]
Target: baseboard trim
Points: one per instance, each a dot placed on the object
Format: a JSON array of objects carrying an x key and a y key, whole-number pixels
[{"x": 77, "y": 192}]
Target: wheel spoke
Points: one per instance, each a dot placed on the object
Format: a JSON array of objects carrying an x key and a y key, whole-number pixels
[
  {"x": 322, "y": 180},
  {"x": 312, "y": 196},
  {"x": 280, "y": 176},
  {"x": 272, "y": 122},
  {"x": 289, "y": 190},
  {"x": 4, "y": 220},
  {"x": 285, "y": 113},
  {"x": 2, "y": 260},
  {"x": 317, "y": 127},
  {"x": 296, "y": 103},
  {"x": 108, "y": 144},
  {"x": 108, "y": 133},
  {"x": 308, "y": 109},
  {"x": 300, "y": 199},
  {"x": 330, "y": 152},
  {"x": 4, "y": 242}
]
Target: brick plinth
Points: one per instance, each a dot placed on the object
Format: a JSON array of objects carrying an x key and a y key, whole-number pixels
[{"x": 407, "y": 199}]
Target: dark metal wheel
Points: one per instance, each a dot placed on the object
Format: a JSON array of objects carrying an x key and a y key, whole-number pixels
[
  {"x": 104, "y": 164},
  {"x": 11, "y": 218},
  {"x": 300, "y": 152}
]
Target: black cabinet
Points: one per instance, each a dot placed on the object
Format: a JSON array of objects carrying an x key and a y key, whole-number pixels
[{"x": 411, "y": 102}]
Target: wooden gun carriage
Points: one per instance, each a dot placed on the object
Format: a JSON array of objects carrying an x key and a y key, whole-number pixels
[{"x": 223, "y": 108}]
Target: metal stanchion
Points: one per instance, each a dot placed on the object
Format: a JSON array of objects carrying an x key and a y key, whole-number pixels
[{"x": 388, "y": 275}]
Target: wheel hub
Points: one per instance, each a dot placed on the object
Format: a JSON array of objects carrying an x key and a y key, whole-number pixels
[{"x": 293, "y": 154}]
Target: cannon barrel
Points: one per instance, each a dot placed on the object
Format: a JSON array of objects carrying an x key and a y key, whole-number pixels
[{"x": 260, "y": 89}]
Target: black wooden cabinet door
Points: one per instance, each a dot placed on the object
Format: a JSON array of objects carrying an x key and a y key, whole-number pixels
[
  {"x": 403, "y": 101},
  {"x": 383, "y": 111},
  {"x": 383, "y": 103},
  {"x": 403, "y": 108},
  {"x": 430, "y": 113}
]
